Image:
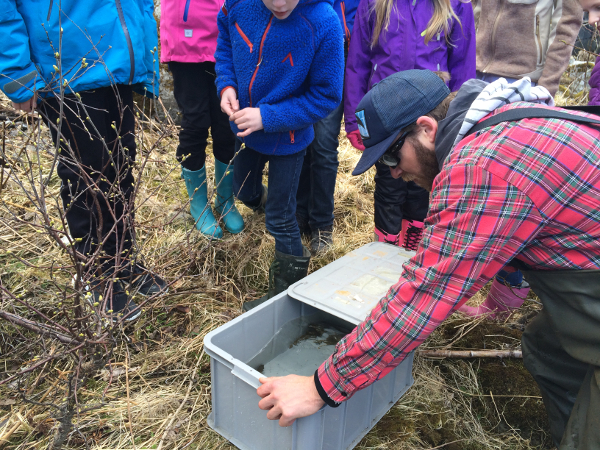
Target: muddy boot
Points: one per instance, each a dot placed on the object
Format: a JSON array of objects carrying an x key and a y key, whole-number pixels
[
  {"x": 285, "y": 270},
  {"x": 321, "y": 240}
]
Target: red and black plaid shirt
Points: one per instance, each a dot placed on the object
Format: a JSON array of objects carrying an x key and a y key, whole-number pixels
[{"x": 528, "y": 190}]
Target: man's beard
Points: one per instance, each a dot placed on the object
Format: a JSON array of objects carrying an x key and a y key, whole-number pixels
[{"x": 428, "y": 164}]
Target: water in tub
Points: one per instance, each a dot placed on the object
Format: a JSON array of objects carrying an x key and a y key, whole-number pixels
[{"x": 299, "y": 347}]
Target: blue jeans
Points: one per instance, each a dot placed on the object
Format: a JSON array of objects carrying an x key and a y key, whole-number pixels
[
  {"x": 280, "y": 210},
  {"x": 319, "y": 172}
]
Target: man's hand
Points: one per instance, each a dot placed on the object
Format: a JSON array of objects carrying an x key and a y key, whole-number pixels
[
  {"x": 356, "y": 140},
  {"x": 28, "y": 105},
  {"x": 289, "y": 398},
  {"x": 229, "y": 101},
  {"x": 248, "y": 119}
]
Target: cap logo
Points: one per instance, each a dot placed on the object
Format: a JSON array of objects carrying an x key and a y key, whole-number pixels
[{"x": 362, "y": 124}]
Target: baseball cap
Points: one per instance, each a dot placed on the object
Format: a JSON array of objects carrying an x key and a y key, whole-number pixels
[{"x": 392, "y": 104}]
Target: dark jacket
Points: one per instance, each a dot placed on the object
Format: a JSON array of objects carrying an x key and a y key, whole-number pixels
[{"x": 449, "y": 126}]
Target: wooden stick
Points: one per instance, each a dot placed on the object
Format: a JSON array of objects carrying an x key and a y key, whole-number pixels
[{"x": 471, "y": 353}]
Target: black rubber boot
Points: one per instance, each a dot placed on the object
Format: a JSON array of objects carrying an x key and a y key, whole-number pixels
[
  {"x": 263, "y": 201},
  {"x": 285, "y": 270}
]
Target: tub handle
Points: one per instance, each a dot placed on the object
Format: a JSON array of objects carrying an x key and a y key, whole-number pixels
[{"x": 249, "y": 378}]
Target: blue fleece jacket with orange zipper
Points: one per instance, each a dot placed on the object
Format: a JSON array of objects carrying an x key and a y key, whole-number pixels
[{"x": 292, "y": 69}]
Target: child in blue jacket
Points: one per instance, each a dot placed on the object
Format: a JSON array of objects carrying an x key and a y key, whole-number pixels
[
  {"x": 279, "y": 67},
  {"x": 84, "y": 94}
]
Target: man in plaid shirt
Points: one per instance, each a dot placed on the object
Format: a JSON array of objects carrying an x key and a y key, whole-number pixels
[{"x": 525, "y": 191}]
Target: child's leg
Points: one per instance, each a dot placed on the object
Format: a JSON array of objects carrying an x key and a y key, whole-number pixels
[
  {"x": 390, "y": 195},
  {"x": 303, "y": 196},
  {"x": 317, "y": 182},
  {"x": 192, "y": 93},
  {"x": 222, "y": 136},
  {"x": 280, "y": 211},
  {"x": 507, "y": 293},
  {"x": 223, "y": 150},
  {"x": 291, "y": 260},
  {"x": 87, "y": 162},
  {"x": 414, "y": 210},
  {"x": 417, "y": 202},
  {"x": 247, "y": 175}
]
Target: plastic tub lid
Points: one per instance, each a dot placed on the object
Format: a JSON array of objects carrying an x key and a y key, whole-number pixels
[{"x": 350, "y": 287}]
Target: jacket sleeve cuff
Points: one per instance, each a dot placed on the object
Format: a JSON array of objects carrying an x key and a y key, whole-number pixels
[
  {"x": 330, "y": 383},
  {"x": 350, "y": 127},
  {"x": 224, "y": 89},
  {"x": 322, "y": 392},
  {"x": 23, "y": 88}
]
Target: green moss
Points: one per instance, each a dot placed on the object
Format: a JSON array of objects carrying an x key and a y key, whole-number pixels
[{"x": 526, "y": 415}]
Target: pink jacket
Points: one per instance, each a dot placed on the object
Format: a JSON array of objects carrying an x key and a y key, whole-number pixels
[{"x": 188, "y": 30}]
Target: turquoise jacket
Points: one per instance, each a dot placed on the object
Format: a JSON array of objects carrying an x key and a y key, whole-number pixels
[{"x": 84, "y": 45}]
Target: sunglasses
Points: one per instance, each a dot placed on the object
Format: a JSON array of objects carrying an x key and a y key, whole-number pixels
[{"x": 391, "y": 157}]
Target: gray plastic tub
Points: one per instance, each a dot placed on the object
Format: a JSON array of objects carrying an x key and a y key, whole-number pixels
[{"x": 236, "y": 415}]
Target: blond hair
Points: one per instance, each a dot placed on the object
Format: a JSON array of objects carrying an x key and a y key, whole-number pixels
[{"x": 440, "y": 21}]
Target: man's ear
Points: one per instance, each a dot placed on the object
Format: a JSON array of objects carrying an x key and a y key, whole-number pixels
[{"x": 429, "y": 127}]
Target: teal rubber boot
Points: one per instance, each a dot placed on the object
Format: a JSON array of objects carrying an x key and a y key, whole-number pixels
[
  {"x": 224, "y": 200},
  {"x": 195, "y": 183}
]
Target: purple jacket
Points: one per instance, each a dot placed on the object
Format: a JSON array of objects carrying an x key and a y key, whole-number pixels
[
  {"x": 595, "y": 84},
  {"x": 403, "y": 47}
]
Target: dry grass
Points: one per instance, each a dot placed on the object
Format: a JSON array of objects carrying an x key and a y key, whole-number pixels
[{"x": 452, "y": 405}]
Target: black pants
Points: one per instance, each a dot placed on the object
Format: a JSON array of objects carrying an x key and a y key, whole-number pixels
[
  {"x": 96, "y": 156},
  {"x": 395, "y": 199},
  {"x": 561, "y": 349},
  {"x": 196, "y": 95}
]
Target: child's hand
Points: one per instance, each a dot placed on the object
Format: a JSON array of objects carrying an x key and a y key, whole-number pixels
[
  {"x": 356, "y": 140},
  {"x": 229, "y": 102},
  {"x": 248, "y": 119},
  {"x": 28, "y": 105}
]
